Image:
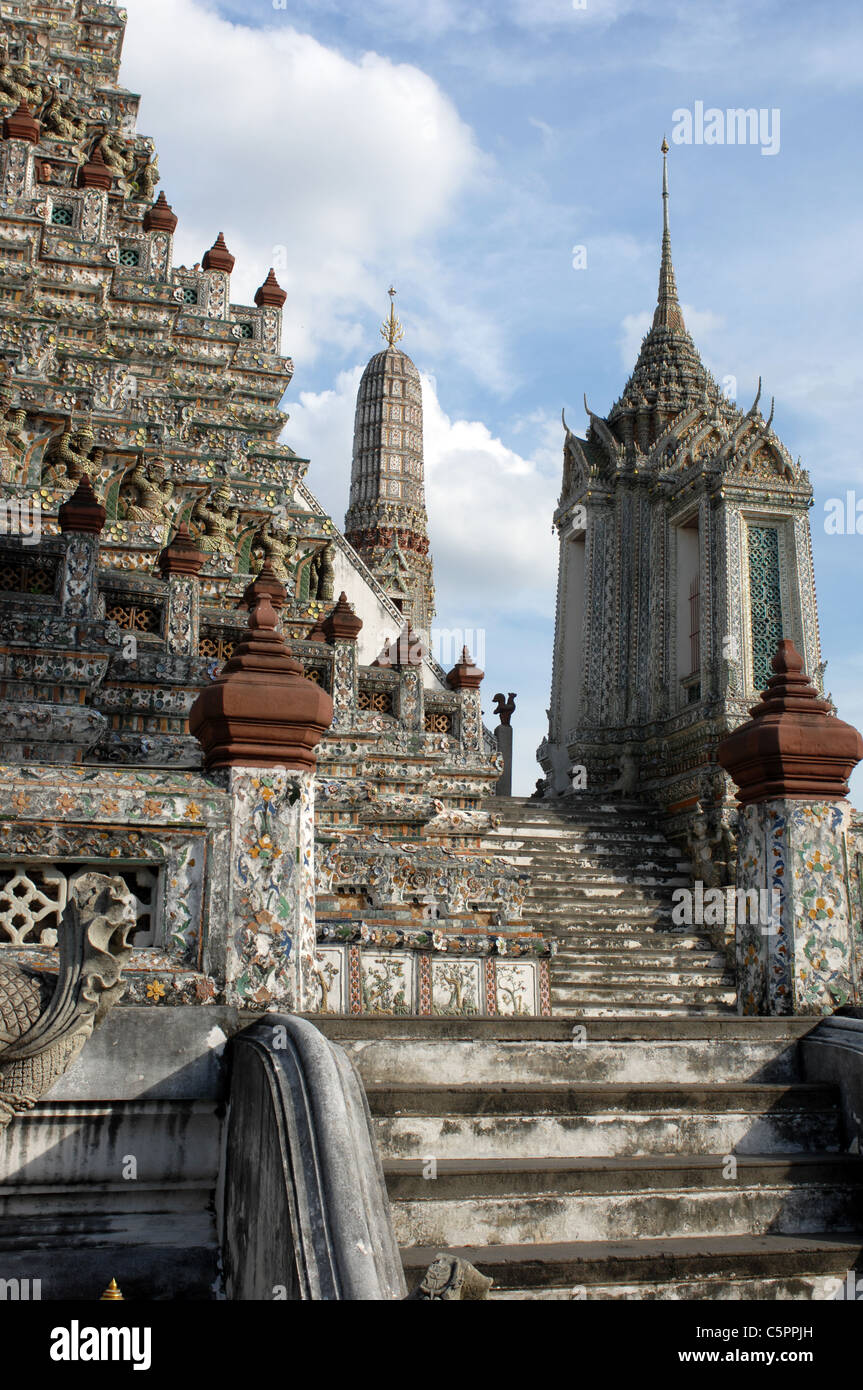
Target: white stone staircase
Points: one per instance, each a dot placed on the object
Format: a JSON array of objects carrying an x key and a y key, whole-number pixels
[
  {"x": 662, "y": 1158},
  {"x": 602, "y": 879}
]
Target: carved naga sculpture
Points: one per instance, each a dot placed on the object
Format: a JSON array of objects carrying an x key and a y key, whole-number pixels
[
  {"x": 449, "y": 1279},
  {"x": 41, "y": 1033}
]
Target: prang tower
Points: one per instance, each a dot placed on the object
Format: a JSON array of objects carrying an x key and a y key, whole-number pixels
[
  {"x": 386, "y": 520},
  {"x": 685, "y": 555}
]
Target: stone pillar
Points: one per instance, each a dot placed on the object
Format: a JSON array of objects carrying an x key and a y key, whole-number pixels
[
  {"x": 261, "y": 720},
  {"x": 218, "y": 263},
  {"x": 81, "y": 521},
  {"x": 791, "y": 762},
  {"x": 179, "y": 565},
  {"x": 503, "y": 738},
  {"x": 160, "y": 223},
  {"x": 341, "y": 629},
  {"x": 21, "y": 132},
  {"x": 466, "y": 678},
  {"x": 271, "y": 299}
]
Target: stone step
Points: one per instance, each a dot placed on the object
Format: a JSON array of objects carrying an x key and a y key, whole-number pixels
[
  {"x": 630, "y": 1001},
  {"x": 713, "y": 1267},
  {"x": 618, "y": 959},
  {"x": 604, "y": 974},
  {"x": 588, "y": 822},
  {"x": 617, "y": 947},
  {"x": 640, "y": 1049},
  {"x": 600, "y": 860},
  {"x": 590, "y": 878},
  {"x": 619, "y": 936},
  {"x": 594, "y": 1120},
  {"x": 590, "y": 910},
  {"x": 553, "y": 843},
  {"x": 490, "y": 1202},
  {"x": 619, "y": 1008},
  {"x": 577, "y": 894}
]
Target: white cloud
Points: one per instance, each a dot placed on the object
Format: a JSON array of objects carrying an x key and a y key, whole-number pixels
[
  {"x": 336, "y": 169},
  {"x": 490, "y": 512}
]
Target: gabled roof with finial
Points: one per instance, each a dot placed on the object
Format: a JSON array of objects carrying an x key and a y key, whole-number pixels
[{"x": 672, "y": 414}]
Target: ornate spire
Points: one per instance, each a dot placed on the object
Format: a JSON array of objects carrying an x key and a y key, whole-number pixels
[
  {"x": 386, "y": 521},
  {"x": 391, "y": 329},
  {"x": 668, "y": 313}
]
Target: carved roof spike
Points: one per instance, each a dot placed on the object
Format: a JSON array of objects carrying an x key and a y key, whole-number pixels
[
  {"x": 261, "y": 711},
  {"x": 601, "y": 426},
  {"x": 270, "y": 295},
  {"x": 792, "y": 746},
  {"x": 181, "y": 556},
  {"x": 465, "y": 675},
  {"x": 668, "y": 313},
  {"x": 83, "y": 513},
  {"x": 219, "y": 257},
  {"x": 754, "y": 406},
  {"x": 22, "y": 125},
  {"x": 266, "y": 582},
  {"x": 161, "y": 216},
  {"x": 95, "y": 173},
  {"x": 342, "y": 625}
]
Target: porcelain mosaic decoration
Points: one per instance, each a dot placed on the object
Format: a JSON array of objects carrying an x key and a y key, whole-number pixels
[{"x": 138, "y": 400}]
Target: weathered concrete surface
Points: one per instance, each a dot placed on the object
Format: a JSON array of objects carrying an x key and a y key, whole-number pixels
[
  {"x": 833, "y": 1052},
  {"x": 304, "y": 1210},
  {"x": 169, "y": 1054},
  {"x": 720, "y": 1268},
  {"x": 437, "y": 1051},
  {"x": 645, "y": 1158},
  {"x": 114, "y": 1174},
  {"x": 566, "y": 1120}
]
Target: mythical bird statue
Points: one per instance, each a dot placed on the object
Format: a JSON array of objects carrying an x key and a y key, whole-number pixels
[
  {"x": 504, "y": 708},
  {"x": 42, "y": 1031}
]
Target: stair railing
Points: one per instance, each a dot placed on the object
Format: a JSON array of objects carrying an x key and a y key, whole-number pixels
[{"x": 304, "y": 1212}]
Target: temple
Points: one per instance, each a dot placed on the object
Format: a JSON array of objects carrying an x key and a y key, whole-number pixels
[
  {"x": 141, "y": 421},
  {"x": 685, "y": 555},
  {"x": 277, "y": 946}
]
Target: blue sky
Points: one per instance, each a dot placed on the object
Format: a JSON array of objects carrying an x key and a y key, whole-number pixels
[{"x": 461, "y": 151}]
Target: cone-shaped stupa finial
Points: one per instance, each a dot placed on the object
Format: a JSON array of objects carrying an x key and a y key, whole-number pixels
[
  {"x": 668, "y": 313},
  {"x": 391, "y": 329}
]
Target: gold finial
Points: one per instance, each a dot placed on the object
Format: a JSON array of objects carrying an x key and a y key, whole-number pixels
[
  {"x": 391, "y": 329},
  {"x": 112, "y": 1293},
  {"x": 664, "y": 145}
]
